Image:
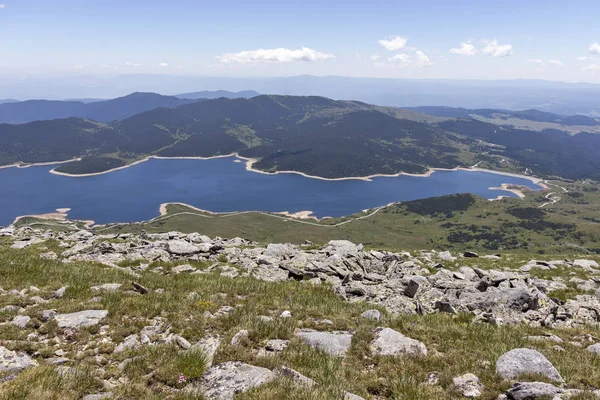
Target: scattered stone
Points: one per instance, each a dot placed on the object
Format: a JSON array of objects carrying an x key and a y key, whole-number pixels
[
  {"x": 374, "y": 315},
  {"x": 521, "y": 361},
  {"x": 295, "y": 376},
  {"x": 388, "y": 342},
  {"x": 544, "y": 338},
  {"x": 21, "y": 321},
  {"x": 182, "y": 248},
  {"x": 98, "y": 396},
  {"x": 333, "y": 343},
  {"x": 468, "y": 385},
  {"x": 352, "y": 396},
  {"x": 131, "y": 342},
  {"x": 532, "y": 391},
  {"x": 139, "y": 288},
  {"x": 265, "y": 318},
  {"x": 49, "y": 255},
  {"x": 107, "y": 287},
  {"x": 412, "y": 288},
  {"x": 11, "y": 361},
  {"x": 48, "y": 315},
  {"x": 238, "y": 337},
  {"x": 179, "y": 269},
  {"x": 285, "y": 314},
  {"x": 276, "y": 345},
  {"x": 224, "y": 381},
  {"x": 182, "y": 342},
  {"x": 209, "y": 346},
  {"x": 60, "y": 292},
  {"x": 594, "y": 348},
  {"x": 470, "y": 254},
  {"x": 80, "y": 319}
]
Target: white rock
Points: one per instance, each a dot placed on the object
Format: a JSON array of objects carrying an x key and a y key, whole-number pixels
[{"x": 388, "y": 342}]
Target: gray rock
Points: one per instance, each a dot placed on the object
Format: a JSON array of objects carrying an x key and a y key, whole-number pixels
[
  {"x": 80, "y": 319},
  {"x": 594, "y": 348},
  {"x": 545, "y": 338},
  {"x": 183, "y": 248},
  {"x": 412, "y": 287},
  {"x": 388, "y": 342},
  {"x": 130, "y": 342},
  {"x": 470, "y": 254},
  {"x": 295, "y": 376},
  {"x": 48, "y": 315},
  {"x": 285, "y": 314},
  {"x": 139, "y": 288},
  {"x": 374, "y": 315},
  {"x": 224, "y": 381},
  {"x": 446, "y": 256},
  {"x": 468, "y": 385},
  {"x": 21, "y": 321},
  {"x": 276, "y": 345},
  {"x": 532, "y": 391},
  {"x": 182, "y": 342},
  {"x": 352, "y": 396},
  {"x": 521, "y": 361},
  {"x": 108, "y": 287},
  {"x": 49, "y": 255},
  {"x": 280, "y": 250},
  {"x": 208, "y": 346},
  {"x": 238, "y": 337},
  {"x": 182, "y": 268},
  {"x": 98, "y": 396},
  {"x": 332, "y": 343},
  {"x": 60, "y": 292},
  {"x": 586, "y": 264},
  {"x": 11, "y": 361}
]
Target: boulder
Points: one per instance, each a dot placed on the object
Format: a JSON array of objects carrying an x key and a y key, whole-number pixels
[
  {"x": 108, "y": 287},
  {"x": 80, "y": 319},
  {"x": 332, "y": 343},
  {"x": 130, "y": 342},
  {"x": 224, "y": 381},
  {"x": 183, "y": 248},
  {"x": 470, "y": 254},
  {"x": 374, "y": 315},
  {"x": 295, "y": 376},
  {"x": 276, "y": 345},
  {"x": 468, "y": 385},
  {"x": 208, "y": 346},
  {"x": 594, "y": 348},
  {"x": 588, "y": 265},
  {"x": 388, "y": 342},
  {"x": 179, "y": 269},
  {"x": 11, "y": 361},
  {"x": 21, "y": 321},
  {"x": 532, "y": 391},
  {"x": 238, "y": 337},
  {"x": 521, "y": 361}
]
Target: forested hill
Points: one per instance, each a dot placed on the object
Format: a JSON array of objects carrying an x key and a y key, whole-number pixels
[
  {"x": 102, "y": 111},
  {"x": 314, "y": 135}
]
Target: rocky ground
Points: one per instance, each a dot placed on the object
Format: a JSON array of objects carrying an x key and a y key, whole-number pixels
[{"x": 185, "y": 316}]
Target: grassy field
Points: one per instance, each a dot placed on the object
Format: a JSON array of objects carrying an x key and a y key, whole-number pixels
[
  {"x": 456, "y": 344},
  {"x": 571, "y": 225}
]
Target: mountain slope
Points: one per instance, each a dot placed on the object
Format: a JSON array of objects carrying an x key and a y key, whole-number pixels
[
  {"x": 314, "y": 135},
  {"x": 102, "y": 111}
]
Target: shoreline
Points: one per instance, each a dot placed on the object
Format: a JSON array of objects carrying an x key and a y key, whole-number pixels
[
  {"x": 251, "y": 161},
  {"x": 60, "y": 214},
  {"x": 22, "y": 165}
]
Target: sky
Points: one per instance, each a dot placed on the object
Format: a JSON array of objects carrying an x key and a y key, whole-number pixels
[{"x": 441, "y": 39}]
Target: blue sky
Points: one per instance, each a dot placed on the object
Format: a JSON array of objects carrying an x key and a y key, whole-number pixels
[{"x": 491, "y": 39}]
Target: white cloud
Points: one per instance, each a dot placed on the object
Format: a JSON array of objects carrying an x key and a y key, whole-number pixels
[
  {"x": 466, "y": 49},
  {"x": 585, "y": 58},
  {"x": 536, "y": 61},
  {"x": 374, "y": 57},
  {"x": 418, "y": 59},
  {"x": 555, "y": 63},
  {"x": 2, "y": 5},
  {"x": 279, "y": 55},
  {"x": 591, "y": 67},
  {"x": 394, "y": 44},
  {"x": 492, "y": 48},
  {"x": 163, "y": 64},
  {"x": 594, "y": 48}
]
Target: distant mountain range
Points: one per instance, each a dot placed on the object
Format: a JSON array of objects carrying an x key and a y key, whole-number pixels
[
  {"x": 207, "y": 94},
  {"x": 555, "y": 97},
  {"x": 102, "y": 111},
  {"x": 18, "y": 112},
  {"x": 314, "y": 135}
]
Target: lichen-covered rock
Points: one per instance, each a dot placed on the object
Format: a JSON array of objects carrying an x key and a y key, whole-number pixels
[
  {"x": 388, "y": 342},
  {"x": 224, "y": 381},
  {"x": 332, "y": 343},
  {"x": 80, "y": 319},
  {"x": 11, "y": 361},
  {"x": 468, "y": 385},
  {"x": 521, "y": 361}
]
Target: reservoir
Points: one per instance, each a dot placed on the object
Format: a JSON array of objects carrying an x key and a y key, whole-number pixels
[{"x": 221, "y": 185}]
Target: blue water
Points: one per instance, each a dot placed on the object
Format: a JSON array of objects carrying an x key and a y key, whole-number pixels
[{"x": 135, "y": 193}]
